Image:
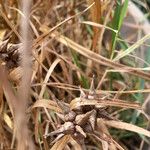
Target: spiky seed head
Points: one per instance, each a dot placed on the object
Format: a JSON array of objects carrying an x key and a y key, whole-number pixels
[
  {"x": 88, "y": 128},
  {"x": 70, "y": 116}
]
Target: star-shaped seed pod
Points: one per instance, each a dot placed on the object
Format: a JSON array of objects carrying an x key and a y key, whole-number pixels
[
  {"x": 84, "y": 116},
  {"x": 9, "y": 53},
  {"x": 81, "y": 121},
  {"x": 73, "y": 125}
]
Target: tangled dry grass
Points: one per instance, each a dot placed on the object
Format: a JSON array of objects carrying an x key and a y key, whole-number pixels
[{"x": 49, "y": 98}]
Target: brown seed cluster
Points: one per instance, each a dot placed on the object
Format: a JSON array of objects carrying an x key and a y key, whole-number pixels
[
  {"x": 81, "y": 121},
  {"x": 9, "y": 53}
]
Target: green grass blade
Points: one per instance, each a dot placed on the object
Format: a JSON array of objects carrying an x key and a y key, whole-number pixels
[
  {"x": 123, "y": 13},
  {"x": 118, "y": 18},
  {"x": 132, "y": 48}
]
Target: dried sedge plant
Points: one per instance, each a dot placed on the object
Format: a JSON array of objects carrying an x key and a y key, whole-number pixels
[{"x": 83, "y": 118}]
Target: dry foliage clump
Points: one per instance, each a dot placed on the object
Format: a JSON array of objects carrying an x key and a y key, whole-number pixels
[{"x": 70, "y": 78}]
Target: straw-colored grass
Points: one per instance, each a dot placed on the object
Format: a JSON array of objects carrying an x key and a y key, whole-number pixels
[{"x": 70, "y": 78}]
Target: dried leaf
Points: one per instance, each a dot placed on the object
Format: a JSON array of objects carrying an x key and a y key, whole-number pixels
[
  {"x": 16, "y": 74},
  {"x": 77, "y": 102}
]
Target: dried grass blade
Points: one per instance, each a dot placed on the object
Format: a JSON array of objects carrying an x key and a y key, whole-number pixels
[
  {"x": 47, "y": 76},
  {"x": 60, "y": 145},
  {"x": 101, "y": 103},
  {"x": 101, "y": 127},
  {"x": 127, "y": 126},
  {"x": 8, "y": 121}
]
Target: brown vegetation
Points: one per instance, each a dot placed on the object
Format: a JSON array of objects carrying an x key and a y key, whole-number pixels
[{"x": 68, "y": 79}]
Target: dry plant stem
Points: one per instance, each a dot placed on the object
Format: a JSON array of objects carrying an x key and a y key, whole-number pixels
[
  {"x": 48, "y": 76},
  {"x": 24, "y": 141},
  {"x": 65, "y": 60}
]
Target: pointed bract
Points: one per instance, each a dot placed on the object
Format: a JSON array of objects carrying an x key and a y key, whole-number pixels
[
  {"x": 62, "y": 105},
  {"x": 82, "y": 93},
  {"x": 80, "y": 130},
  {"x": 82, "y": 119},
  {"x": 92, "y": 119},
  {"x": 92, "y": 92}
]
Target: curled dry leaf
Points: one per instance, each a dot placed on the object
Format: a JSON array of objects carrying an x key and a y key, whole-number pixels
[
  {"x": 47, "y": 104},
  {"x": 77, "y": 102}
]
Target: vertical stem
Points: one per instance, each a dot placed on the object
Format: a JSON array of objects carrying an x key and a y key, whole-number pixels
[{"x": 24, "y": 141}]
